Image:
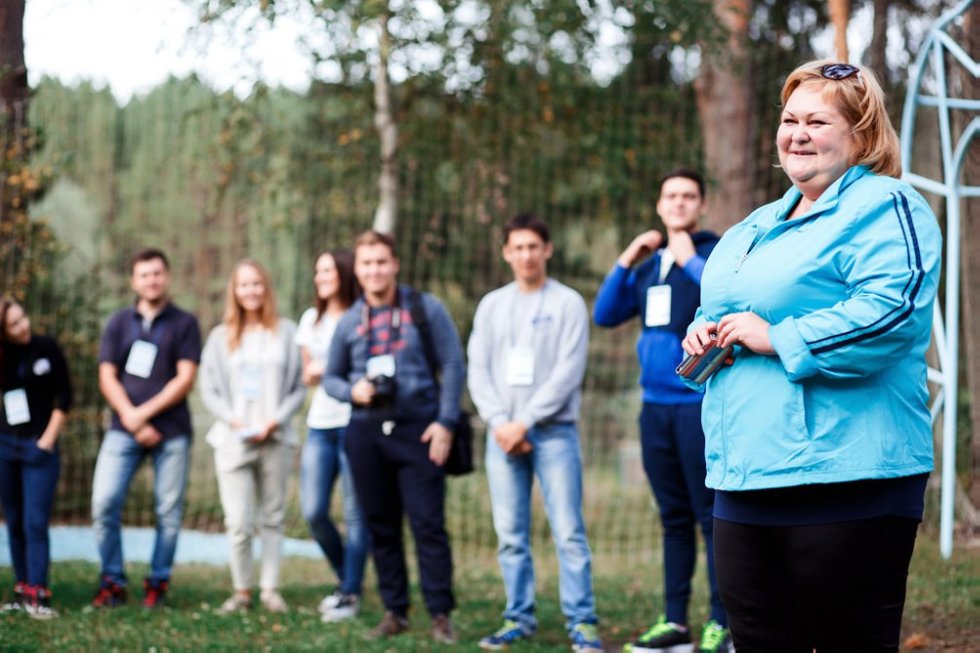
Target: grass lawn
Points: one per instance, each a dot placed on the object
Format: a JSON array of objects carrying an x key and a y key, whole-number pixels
[{"x": 941, "y": 614}]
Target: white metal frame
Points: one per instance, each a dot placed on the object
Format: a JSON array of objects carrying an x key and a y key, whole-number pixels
[{"x": 932, "y": 57}]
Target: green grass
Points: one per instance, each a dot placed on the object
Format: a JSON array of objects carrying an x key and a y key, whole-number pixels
[{"x": 943, "y": 601}]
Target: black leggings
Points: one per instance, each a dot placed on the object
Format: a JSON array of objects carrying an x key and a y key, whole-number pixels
[{"x": 829, "y": 587}]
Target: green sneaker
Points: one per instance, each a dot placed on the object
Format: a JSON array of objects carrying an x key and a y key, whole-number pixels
[
  {"x": 715, "y": 639},
  {"x": 662, "y": 637}
]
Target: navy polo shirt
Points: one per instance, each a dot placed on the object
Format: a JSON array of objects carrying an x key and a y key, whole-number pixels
[{"x": 177, "y": 337}]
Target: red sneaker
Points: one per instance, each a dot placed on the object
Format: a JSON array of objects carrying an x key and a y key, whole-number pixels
[
  {"x": 110, "y": 595},
  {"x": 38, "y": 605},
  {"x": 155, "y": 593}
]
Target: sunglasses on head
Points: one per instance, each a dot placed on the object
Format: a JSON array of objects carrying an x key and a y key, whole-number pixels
[{"x": 838, "y": 71}]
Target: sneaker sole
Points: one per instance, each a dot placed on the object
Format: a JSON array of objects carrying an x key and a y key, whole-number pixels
[
  {"x": 332, "y": 618},
  {"x": 676, "y": 648}
]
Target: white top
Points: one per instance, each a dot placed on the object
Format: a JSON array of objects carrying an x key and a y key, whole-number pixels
[
  {"x": 257, "y": 369},
  {"x": 325, "y": 411}
]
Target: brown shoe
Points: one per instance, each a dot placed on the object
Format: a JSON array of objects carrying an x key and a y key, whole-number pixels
[
  {"x": 390, "y": 625},
  {"x": 442, "y": 629}
]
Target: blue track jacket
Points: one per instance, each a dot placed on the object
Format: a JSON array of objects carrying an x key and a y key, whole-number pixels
[
  {"x": 849, "y": 290},
  {"x": 623, "y": 295}
]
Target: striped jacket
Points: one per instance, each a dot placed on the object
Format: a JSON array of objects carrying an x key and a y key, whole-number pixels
[{"x": 849, "y": 290}]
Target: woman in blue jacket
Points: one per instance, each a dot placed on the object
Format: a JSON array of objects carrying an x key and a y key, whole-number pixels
[{"x": 818, "y": 434}]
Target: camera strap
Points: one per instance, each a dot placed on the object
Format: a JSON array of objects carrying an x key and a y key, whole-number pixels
[
  {"x": 394, "y": 324},
  {"x": 421, "y": 322}
]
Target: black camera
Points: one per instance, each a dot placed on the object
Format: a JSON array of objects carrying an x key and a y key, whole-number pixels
[{"x": 384, "y": 390}]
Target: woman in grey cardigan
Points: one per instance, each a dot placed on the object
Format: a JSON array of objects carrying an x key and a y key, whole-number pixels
[{"x": 250, "y": 382}]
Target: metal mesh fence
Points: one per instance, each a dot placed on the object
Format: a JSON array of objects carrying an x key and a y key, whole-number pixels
[{"x": 279, "y": 176}]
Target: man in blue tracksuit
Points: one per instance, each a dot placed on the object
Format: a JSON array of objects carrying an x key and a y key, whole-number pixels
[{"x": 664, "y": 291}]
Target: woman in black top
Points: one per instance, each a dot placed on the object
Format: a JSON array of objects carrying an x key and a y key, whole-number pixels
[{"x": 36, "y": 397}]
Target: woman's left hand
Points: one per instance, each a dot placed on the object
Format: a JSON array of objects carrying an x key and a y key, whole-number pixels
[
  {"x": 746, "y": 329},
  {"x": 44, "y": 443}
]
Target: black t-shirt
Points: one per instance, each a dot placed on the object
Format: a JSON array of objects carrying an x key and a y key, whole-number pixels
[
  {"x": 176, "y": 336},
  {"x": 39, "y": 369}
]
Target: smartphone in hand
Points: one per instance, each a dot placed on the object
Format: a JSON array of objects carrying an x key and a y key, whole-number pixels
[{"x": 698, "y": 368}]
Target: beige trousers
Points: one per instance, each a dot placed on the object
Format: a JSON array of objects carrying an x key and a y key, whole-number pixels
[{"x": 252, "y": 482}]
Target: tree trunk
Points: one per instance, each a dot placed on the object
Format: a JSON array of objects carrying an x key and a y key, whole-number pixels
[
  {"x": 879, "y": 41},
  {"x": 724, "y": 99},
  {"x": 385, "y": 218},
  {"x": 13, "y": 72},
  {"x": 970, "y": 259},
  {"x": 840, "y": 12}
]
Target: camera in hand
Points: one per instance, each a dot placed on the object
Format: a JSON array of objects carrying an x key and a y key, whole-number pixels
[{"x": 384, "y": 391}]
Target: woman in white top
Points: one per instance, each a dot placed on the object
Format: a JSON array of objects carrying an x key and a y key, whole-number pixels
[
  {"x": 323, "y": 454},
  {"x": 250, "y": 382}
]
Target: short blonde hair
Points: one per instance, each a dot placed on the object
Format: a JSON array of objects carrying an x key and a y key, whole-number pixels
[{"x": 861, "y": 101}]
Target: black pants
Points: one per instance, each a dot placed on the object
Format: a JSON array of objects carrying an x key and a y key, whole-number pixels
[
  {"x": 393, "y": 476},
  {"x": 830, "y": 587}
]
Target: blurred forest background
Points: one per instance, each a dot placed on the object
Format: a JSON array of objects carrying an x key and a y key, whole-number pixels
[{"x": 437, "y": 121}]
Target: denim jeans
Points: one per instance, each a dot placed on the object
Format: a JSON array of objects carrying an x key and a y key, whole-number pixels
[
  {"x": 119, "y": 458},
  {"x": 323, "y": 458},
  {"x": 28, "y": 478},
  {"x": 556, "y": 460}
]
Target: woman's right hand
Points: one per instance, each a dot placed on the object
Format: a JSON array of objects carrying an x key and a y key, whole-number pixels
[
  {"x": 697, "y": 340},
  {"x": 313, "y": 372}
]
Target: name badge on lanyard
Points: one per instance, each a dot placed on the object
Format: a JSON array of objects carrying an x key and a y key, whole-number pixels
[
  {"x": 658, "y": 306},
  {"x": 383, "y": 365},
  {"x": 16, "y": 408},
  {"x": 520, "y": 366},
  {"x": 142, "y": 355},
  {"x": 250, "y": 382}
]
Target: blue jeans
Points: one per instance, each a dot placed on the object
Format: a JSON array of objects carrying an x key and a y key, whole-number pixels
[
  {"x": 556, "y": 460},
  {"x": 322, "y": 459},
  {"x": 28, "y": 478},
  {"x": 673, "y": 458},
  {"x": 119, "y": 458}
]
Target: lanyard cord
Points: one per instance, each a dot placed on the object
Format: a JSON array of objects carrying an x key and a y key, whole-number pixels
[{"x": 394, "y": 324}]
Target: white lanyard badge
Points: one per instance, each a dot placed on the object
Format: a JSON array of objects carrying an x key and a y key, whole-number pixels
[{"x": 16, "y": 407}]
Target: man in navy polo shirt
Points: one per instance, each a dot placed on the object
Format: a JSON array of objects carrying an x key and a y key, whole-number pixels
[{"x": 147, "y": 364}]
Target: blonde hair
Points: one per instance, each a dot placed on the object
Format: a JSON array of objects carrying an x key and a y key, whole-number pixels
[
  {"x": 861, "y": 101},
  {"x": 234, "y": 318}
]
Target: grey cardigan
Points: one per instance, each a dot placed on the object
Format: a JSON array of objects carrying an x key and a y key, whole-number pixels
[{"x": 216, "y": 391}]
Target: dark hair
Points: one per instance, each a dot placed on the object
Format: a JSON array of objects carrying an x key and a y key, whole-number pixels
[
  {"x": 686, "y": 173},
  {"x": 5, "y": 304},
  {"x": 350, "y": 289},
  {"x": 527, "y": 221},
  {"x": 372, "y": 237},
  {"x": 147, "y": 254}
]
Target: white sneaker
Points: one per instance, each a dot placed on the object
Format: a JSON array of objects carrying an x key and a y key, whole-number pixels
[
  {"x": 40, "y": 611},
  {"x": 329, "y": 601},
  {"x": 346, "y": 608}
]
